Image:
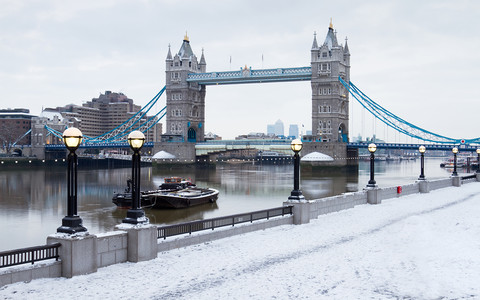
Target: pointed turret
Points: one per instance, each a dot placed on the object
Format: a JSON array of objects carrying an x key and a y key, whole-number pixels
[
  {"x": 169, "y": 54},
  {"x": 185, "y": 51},
  {"x": 345, "y": 49},
  {"x": 203, "y": 64},
  {"x": 331, "y": 39},
  {"x": 315, "y": 44},
  {"x": 202, "y": 59}
]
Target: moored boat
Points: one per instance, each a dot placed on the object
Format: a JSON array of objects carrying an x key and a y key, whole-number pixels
[
  {"x": 184, "y": 198},
  {"x": 175, "y": 192}
]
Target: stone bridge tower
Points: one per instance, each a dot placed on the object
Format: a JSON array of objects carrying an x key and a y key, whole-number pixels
[
  {"x": 185, "y": 100},
  {"x": 329, "y": 97}
]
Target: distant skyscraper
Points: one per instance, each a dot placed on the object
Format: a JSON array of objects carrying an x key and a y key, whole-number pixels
[
  {"x": 279, "y": 128},
  {"x": 270, "y": 129},
  {"x": 293, "y": 130}
]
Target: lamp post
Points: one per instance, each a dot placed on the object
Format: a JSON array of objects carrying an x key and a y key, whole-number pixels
[
  {"x": 72, "y": 223},
  {"x": 422, "y": 150},
  {"x": 372, "y": 148},
  {"x": 296, "y": 193},
  {"x": 478, "y": 160},
  {"x": 136, "y": 215},
  {"x": 455, "y": 151}
]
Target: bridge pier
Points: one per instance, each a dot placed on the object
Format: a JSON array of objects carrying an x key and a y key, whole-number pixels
[{"x": 184, "y": 152}]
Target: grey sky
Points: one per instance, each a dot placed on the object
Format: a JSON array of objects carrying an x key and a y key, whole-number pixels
[{"x": 419, "y": 59}]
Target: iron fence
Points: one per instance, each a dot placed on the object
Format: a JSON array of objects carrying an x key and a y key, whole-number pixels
[
  {"x": 28, "y": 255},
  {"x": 469, "y": 176},
  {"x": 211, "y": 224}
]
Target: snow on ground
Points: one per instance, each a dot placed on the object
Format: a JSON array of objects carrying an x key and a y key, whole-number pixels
[{"x": 415, "y": 247}]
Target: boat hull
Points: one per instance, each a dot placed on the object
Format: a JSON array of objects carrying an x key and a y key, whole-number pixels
[{"x": 183, "y": 198}]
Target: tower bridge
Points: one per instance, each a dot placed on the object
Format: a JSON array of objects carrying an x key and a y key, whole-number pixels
[
  {"x": 186, "y": 81},
  {"x": 329, "y": 76}
]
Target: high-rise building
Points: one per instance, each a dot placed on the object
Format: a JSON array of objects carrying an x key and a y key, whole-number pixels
[
  {"x": 293, "y": 130},
  {"x": 14, "y": 124},
  {"x": 106, "y": 113},
  {"x": 270, "y": 129},
  {"x": 279, "y": 130}
]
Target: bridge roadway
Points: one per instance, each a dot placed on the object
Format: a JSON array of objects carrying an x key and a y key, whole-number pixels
[
  {"x": 247, "y": 75},
  {"x": 443, "y": 147},
  {"x": 280, "y": 146},
  {"x": 98, "y": 145}
]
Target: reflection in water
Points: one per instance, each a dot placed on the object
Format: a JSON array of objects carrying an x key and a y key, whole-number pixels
[{"x": 33, "y": 201}]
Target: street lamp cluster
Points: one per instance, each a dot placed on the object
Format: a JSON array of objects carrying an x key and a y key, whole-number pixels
[
  {"x": 72, "y": 223},
  {"x": 422, "y": 149}
]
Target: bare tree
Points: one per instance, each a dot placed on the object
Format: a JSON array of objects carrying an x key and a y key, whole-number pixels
[{"x": 10, "y": 134}]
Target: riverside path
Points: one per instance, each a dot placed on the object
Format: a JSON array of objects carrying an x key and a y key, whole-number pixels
[{"x": 421, "y": 246}]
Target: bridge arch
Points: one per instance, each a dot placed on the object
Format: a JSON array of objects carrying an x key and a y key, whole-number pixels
[
  {"x": 342, "y": 134},
  {"x": 192, "y": 135}
]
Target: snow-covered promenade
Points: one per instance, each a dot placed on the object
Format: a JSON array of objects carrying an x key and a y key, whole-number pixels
[{"x": 422, "y": 246}]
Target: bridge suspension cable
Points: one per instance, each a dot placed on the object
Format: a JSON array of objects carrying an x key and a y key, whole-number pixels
[
  {"x": 120, "y": 132},
  {"x": 398, "y": 123}
]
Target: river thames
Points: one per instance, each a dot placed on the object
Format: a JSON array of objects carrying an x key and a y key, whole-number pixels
[{"x": 33, "y": 201}]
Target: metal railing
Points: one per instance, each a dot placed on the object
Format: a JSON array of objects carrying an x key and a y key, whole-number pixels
[
  {"x": 211, "y": 224},
  {"x": 469, "y": 176},
  {"x": 28, "y": 255}
]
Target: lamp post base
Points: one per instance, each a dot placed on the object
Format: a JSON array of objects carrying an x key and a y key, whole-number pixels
[
  {"x": 296, "y": 195},
  {"x": 135, "y": 216},
  {"x": 421, "y": 177},
  {"x": 71, "y": 225},
  {"x": 372, "y": 184}
]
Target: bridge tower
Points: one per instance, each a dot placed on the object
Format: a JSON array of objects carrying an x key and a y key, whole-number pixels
[
  {"x": 185, "y": 101},
  {"x": 329, "y": 97}
]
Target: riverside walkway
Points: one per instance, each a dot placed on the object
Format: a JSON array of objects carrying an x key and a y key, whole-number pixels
[{"x": 420, "y": 246}]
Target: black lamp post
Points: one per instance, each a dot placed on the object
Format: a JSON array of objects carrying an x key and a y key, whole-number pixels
[
  {"x": 455, "y": 151},
  {"x": 136, "y": 215},
  {"x": 478, "y": 160},
  {"x": 422, "y": 150},
  {"x": 296, "y": 193},
  {"x": 372, "y": 148},
  {"x": 72, "y": 223}
]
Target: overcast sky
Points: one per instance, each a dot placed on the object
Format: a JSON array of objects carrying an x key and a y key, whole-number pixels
[{"x": 418, "y": 59}]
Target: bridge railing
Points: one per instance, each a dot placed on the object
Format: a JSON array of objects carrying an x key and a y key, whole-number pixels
[
  {"x": 280, "y": 74},
  {"x": 211, "y": 224},
  {"x": 29, "y": 255}
]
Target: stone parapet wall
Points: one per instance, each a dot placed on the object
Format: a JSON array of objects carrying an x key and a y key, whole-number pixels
[
  {"x": 112, "y": 248},
  {"x": 317, "y": 207},
  {"x": 26, "y": 273},
  {"x": 220, "y": 233}
]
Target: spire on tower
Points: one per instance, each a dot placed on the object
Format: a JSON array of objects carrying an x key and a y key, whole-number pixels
[
  {"x": 315, "y": 44},
  {"x": 185, "y": 38},
  {"x": 169, "y": 55},
  {"x": 331, "y": 24},
  {"x": 345, "y": 49},
  {"x": 202, "y": 59}
]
